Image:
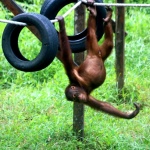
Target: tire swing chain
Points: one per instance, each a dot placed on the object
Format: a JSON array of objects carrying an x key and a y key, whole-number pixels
[{"x": 52, "y": 21}]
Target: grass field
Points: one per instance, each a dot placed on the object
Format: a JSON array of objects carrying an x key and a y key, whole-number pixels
[{"x": 35, "y": 115}]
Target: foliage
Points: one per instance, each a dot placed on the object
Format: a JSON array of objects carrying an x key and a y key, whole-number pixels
[
  {"x": 138, "y": 1},
  {"x": 129, "y": 1},
  {"x": 34, "y": 113},
  {"x": 36, "y": 2}
]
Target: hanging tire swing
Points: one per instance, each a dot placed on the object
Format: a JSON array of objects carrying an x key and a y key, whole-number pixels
[
  {"x": 49, "y": 39},
  {"x": 50, "y": 9},
  {"x": 48, "y": 36}
]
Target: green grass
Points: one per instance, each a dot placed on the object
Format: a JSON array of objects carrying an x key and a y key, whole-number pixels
[{"x": 34, "y": 113}]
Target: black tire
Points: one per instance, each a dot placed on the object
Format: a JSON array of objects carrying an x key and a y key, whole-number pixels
[
  {"x": 50, "y": 9},
  {"x": 49, "y": 39}
]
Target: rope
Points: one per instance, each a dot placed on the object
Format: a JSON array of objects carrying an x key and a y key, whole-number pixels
[
  {"x": 13, "y": 22},
  {"x": 78, "y": 4},
  {"x": 55, "y": 20},
  {"x": 69, "y": 11},
  {"x": 118, "y": 4}
]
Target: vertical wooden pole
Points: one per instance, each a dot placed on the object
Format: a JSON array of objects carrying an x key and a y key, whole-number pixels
[
  {"x": 78, "y": 110},
  {"x": 120, "y": 42}
]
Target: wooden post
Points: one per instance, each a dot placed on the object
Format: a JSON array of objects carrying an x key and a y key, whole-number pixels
[
  {"x": 78, "y": 110},
  {"x": 119, "y": 44}
]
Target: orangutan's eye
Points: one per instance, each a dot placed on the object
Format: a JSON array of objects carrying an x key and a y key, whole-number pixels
[{"x": 72, "y": 87}]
